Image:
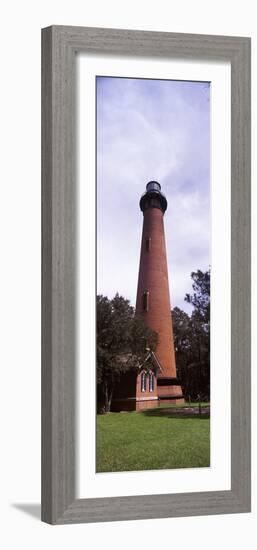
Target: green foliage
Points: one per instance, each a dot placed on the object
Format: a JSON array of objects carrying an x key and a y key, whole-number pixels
[
  {"x": 151, "y": 440},
  {"x": 122, "y": 338},
  {"x": 200, "y": 299},
  {"x": 192, "y": 339}
]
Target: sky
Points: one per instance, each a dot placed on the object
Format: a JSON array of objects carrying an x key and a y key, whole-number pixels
[{"x": 152, "y": 130}]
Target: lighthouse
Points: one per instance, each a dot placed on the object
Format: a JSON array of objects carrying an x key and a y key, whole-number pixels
[
  {"x": 153, "y": 297},
  {"x": 155, "y": 382}
]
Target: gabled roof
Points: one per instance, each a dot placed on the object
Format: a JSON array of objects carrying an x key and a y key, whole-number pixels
[{"x": 151, "y": 357}]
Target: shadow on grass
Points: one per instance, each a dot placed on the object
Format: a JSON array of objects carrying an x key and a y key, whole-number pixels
[{"x": 182, "y": 413}]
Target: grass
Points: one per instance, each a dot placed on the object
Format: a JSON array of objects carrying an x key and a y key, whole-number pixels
[{"x": 154, "y": 439}]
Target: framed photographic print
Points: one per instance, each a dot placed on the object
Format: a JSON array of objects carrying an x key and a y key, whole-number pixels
[{"x": 145, "y": 274}]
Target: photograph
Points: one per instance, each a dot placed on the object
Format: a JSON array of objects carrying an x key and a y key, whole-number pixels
[
  {"x": 153, "y": 241},
  {"x": 146, "y": 210}
]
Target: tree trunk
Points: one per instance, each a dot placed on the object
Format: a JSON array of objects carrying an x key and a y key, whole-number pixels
[
  {"x": 109, "y": 400},
  {"x": 107, "y": 397}
]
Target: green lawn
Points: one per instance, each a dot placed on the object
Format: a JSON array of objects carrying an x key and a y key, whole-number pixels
[{"x": 154, "y": 439}]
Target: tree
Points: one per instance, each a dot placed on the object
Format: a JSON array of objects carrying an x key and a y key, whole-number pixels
[
  {"x": 201, "y": 322},
  {"x": 200, "y": 299},
  {"x": 122, "y": 338},
  {"x": 192, "y": 339},
  {"x": 183, "y": 337}
]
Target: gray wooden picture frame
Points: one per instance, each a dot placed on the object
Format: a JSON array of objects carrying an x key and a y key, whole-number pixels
[{"x": 59, "y": 47}]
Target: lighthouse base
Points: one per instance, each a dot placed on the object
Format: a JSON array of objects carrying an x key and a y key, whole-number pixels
[{"x": 169, "y": 390}]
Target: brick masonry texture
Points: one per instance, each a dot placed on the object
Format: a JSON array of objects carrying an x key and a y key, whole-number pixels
[{"x": 153, "y": 277}]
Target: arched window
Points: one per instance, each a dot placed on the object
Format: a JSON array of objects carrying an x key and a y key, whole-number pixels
[
  {"x": 151, "y": 381},
  {"x": 143, "y": 381}
]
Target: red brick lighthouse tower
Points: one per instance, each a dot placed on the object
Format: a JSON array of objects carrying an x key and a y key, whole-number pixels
[{"x": 153, "y": 299}]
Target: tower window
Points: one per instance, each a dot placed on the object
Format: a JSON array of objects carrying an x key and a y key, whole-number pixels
[
  {"x": 146, "y": 300},
  {"x": 151, "y": 382},
  {"x": 148, "y": 244},
  {"x": 143, "y": 381}
]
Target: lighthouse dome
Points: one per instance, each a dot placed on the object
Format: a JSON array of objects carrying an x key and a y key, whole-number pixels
[
  {"x": 153, "y": 197},
  {"x": 153, "y": 186}
]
